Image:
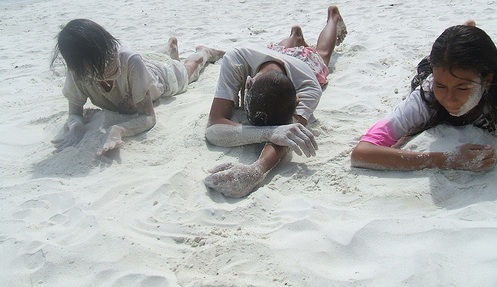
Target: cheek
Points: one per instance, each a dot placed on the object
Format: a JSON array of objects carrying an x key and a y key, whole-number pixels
[{"x": 455, "y": 96}]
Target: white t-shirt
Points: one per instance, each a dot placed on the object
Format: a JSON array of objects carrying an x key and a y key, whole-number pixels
[
  {"x": 160, "y": 76},
  {"x": 239, "y": 63},
  {"x": 413, "y": 115}
]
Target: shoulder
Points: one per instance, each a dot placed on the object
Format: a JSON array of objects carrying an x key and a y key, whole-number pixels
[
  {"x": 126, "y": 52},
  {"x": 248, "y": 52},
  {"x": 127, "y": 55},
  {"x": 413, "y": 104}
]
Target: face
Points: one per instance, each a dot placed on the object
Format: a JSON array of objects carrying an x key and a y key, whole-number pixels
[
  {"x": 112, "y": 69},
  {"x": 458, "y": 91}
]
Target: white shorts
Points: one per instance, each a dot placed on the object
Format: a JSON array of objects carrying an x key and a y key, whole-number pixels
[{"x": 172, "y": 74}]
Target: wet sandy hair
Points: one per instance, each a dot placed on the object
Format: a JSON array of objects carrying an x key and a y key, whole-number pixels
[
  {"x": 271, "y": 100},
  {"x": 467, "y": 48},
  {"x": 86, "y": 48}
]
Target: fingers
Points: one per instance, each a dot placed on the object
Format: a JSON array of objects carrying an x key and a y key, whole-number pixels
[
  {"x": 63, "y": 143},
  {"x": 487, "y": 164},
  {"x": 109, "y": 146},
  {"x": 212, "y": 181},
  {"x": 476, "y": 147},
  {"x": 101, "y": 151},
  {"x": 309, "y": 134},
  {"x": 219, "y": 179},
  {"x": 235, "y": 181},
  {"x": 304, "y": 140},
  {"x": 221, "y": 167},
  {"x": 477, "y": 157},
  {"x": 489, "y": 158},
  {"x": 295, "y": 147},
  {"x": 57, "y": 141},
  {"x": 209, "y": 182}
]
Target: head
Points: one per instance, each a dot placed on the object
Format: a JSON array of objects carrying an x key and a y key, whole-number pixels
[
  {"x": 89, "y": 51},
  {"x": 270, "y": 99},
  {"x": 464, "y": 62}
]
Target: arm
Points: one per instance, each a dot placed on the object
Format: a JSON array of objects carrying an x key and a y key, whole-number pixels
[
  {"x": 368, "y": 155},
  {"x": 237, "y": 180},
  {"x": 222, "y": 131},
  {"x": 467, "y": 157},
  {"x": 143, "y": 122},
  {"x": 377, "y": 148}
]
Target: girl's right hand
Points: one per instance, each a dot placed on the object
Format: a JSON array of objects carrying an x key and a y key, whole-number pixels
[
  {"x": 71, "y": 137},
  {"x": 473, "y": 157},
  {"x": 295, "y": 136}
]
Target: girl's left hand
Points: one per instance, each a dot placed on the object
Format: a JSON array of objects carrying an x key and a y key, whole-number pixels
[
  {"x": 113, "y": 140},
  {"x": 472, "y": 157}
]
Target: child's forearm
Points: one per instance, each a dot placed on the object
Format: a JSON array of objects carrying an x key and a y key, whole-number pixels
[
  {"x": 271, "y": 155},
  {"x": 235, "y": 135},
  {"x": 136, "y": 126}
]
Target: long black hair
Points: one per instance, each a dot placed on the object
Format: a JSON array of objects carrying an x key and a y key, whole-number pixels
[
  {"x": 468, "y": 48},
  {"x": 86, "y": 48}
]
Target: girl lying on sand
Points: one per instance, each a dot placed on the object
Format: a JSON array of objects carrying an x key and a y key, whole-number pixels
[{"x": 459, "y": 88}]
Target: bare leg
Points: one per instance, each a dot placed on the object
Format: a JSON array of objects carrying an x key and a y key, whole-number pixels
[
  {"x": 296, "y": 38},
  {"x": 196, "y": 62},
  {"x": 332, "y": 34},
  {"x": 171, "y": 48}
]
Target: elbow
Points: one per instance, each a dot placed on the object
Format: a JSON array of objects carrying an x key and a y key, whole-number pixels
[
  {"x": 153, "y": 121},
  {"x": 354, "y": 157},
  {"x": 219, "y": 135},
  {"x": 212, "y": 135},
  {"x": 359, "y": 155}
]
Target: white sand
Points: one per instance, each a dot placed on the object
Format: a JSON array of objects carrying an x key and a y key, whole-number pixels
[{"x": 144, "y": 218}]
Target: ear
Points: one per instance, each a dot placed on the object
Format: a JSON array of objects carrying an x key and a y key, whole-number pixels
[
  {"x": 249, "y": 82},
  {"x": 487, "y": 81},
  {"x": 297, "y": 101}
]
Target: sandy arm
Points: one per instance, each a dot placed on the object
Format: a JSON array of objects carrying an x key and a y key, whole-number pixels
[
  {"x": 237, "y": 180},
  {"x": 467, "y": 157},
  {"x": 143, "y": 122}
]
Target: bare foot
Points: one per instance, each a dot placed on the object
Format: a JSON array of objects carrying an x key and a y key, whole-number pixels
[
  {"x": 172, "y": 48},
  {"x": 296, "y": 32},
  {"x": 334, "y": 15},
  {"x": 212, "y": 54},
  {"x": 470, "y": 23},
  {"x": 298, "y": 36}
]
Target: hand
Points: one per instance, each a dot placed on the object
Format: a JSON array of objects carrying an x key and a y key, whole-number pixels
[
  {"x": 295, "y": 136},
  {"x": 71, "y": 137},
  {"x": 235, "y": 180},
  {"x": 472, "y": 157},
  {"x": 113, "y": 140}
]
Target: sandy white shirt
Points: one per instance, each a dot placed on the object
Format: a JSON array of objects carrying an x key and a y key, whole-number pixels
[
  {"x": 413, "y": 115},
  {"x": 137, "y": 77},
  {"x": 239, "y": 63}
]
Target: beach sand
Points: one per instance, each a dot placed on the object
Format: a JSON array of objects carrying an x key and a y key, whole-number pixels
[{"x": 142, "y": 216}]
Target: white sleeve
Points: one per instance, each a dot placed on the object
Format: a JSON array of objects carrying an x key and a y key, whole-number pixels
[
  {"x": 232, "y": 76},
  {"x": 309, "y": 95},
  {"x": 72, "y": 92},
  {"x": 139, "y": 77}
]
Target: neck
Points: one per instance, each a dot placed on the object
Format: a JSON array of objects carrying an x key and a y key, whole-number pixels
[
  {"x": 272, "y": 66},
  {"x": 106, "y": 85}
]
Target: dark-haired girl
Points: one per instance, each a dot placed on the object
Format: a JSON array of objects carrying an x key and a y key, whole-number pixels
[
  {"x": 460, "y": 90},
  {"x": 119, "y": 80}
]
